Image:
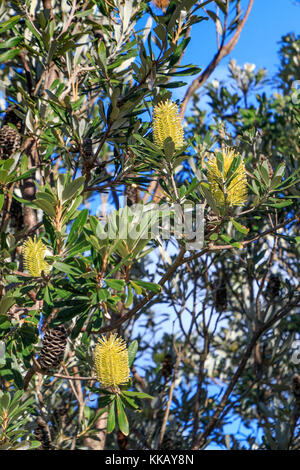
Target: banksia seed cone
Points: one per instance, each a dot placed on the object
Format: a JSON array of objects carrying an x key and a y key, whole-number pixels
[
  {"x": 111, "y": 361},
  {"x": 221, "y": 297},
  {"x": 273, "y": 287},
  {"x": 232, "y": 192},
  {"x": 296, "y": 387},
  {"x": 53, "y": 348},
  {"x": 16, "y": 215},
  {"x": 10, "y": 137},
  {"x": 34, "y": 252},
  {"x": 87, "y": 148},
  {"x": 59, "y": 416},
  {"x": 167, "y": 123},
  {"x": 132, "y": 194},
  {"x": 122, "y": 441},
  {"x": 167, "y": 366},
  {"x": 167, "y": 443},
  {"x": 42, "y": 434},
  {"x": 296, "y": 392}
]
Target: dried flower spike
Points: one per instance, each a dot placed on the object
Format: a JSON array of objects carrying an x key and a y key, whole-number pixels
[
  {"x": 111, "y": 361},
  {"x": 34, "y": 252},
  {"x": 167, "y": 123},
  {"x": 234, "y": 192}
]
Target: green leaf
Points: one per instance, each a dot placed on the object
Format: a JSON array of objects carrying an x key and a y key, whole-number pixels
[
  {"x": 5, "y": 401},
  {"x": 6, "y": 303},
  {"x": 45, "y": 206},
  {"x": 137, "y": 288},
  {"x": 122, "y": 418},
  {"x": 240, "y": 228},
  {"x": 169, "y": 148},
  {"x": 214, "y": 237},
  {"x": 116, "y": 284},
  {"x": 3, "y": 176},
  {"x": 77, "y": 226},
  {"x": 129, "y": 299},
  {"x": 9, "y": 23},
  {"x": 8, "y": 55},
  {"x": 111, "y": 418},
  {"x": 66, "y": 268},
  {"x": 141, "y": 395},
  {"x": 2, "y": 198},
  {"x": 148, "y": 285},
  {"x": 72, "y": 188},
  {"x": 130, "y": 402},
  {"x": 132, "y": 350},
  {"x": 204, "y": 188},
  {"x": 279, "y": 205}
]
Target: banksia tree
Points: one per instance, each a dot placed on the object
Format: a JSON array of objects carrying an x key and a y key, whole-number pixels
[{"x": 82, "y": 138}]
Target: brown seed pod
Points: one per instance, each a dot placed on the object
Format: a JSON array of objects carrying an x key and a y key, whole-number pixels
[
  {"x": 167, "y": 366},
  {"x": 10, "y": 137},
  {"x": 53, "y": 348},
  {"x": 273, "y": 287},
  {"x": 42, "y": 434},
  {"x": 122, "y": 440}
]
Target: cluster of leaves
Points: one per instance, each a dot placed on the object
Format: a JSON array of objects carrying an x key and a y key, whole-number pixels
[{"x": 13, "y": 420}]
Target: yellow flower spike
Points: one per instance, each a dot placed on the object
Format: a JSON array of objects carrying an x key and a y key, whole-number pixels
[
  {"x": 233, "y": 194},
  {"x": 167, "y": 123},
  {"x": 34, "y": 252},
  {"x": 111, "y": 361}
]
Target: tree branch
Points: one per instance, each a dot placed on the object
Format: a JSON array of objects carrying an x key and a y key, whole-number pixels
[{"x": 223, "y": 51}]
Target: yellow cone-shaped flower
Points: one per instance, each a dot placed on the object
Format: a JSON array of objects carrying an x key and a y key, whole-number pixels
[
  {"x": 233, "y": 192},
  {"x": 111, "y": 361},
  {"x": 34, "y": 252},
  {"x": 167, "y": 123}
]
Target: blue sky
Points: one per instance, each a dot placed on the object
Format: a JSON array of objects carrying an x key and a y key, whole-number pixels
[{"x": 269, "y": 20}]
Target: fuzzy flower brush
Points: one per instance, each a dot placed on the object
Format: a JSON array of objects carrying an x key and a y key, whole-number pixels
[
  {"x": 111, "y": 361},
  {"x": 34, "y": 252},
  {"x": 167, "y": 123},
  {"x": 228, "y": 189}
]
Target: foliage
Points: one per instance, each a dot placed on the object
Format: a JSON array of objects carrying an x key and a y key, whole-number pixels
[{"x": 214, "y": 334}]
